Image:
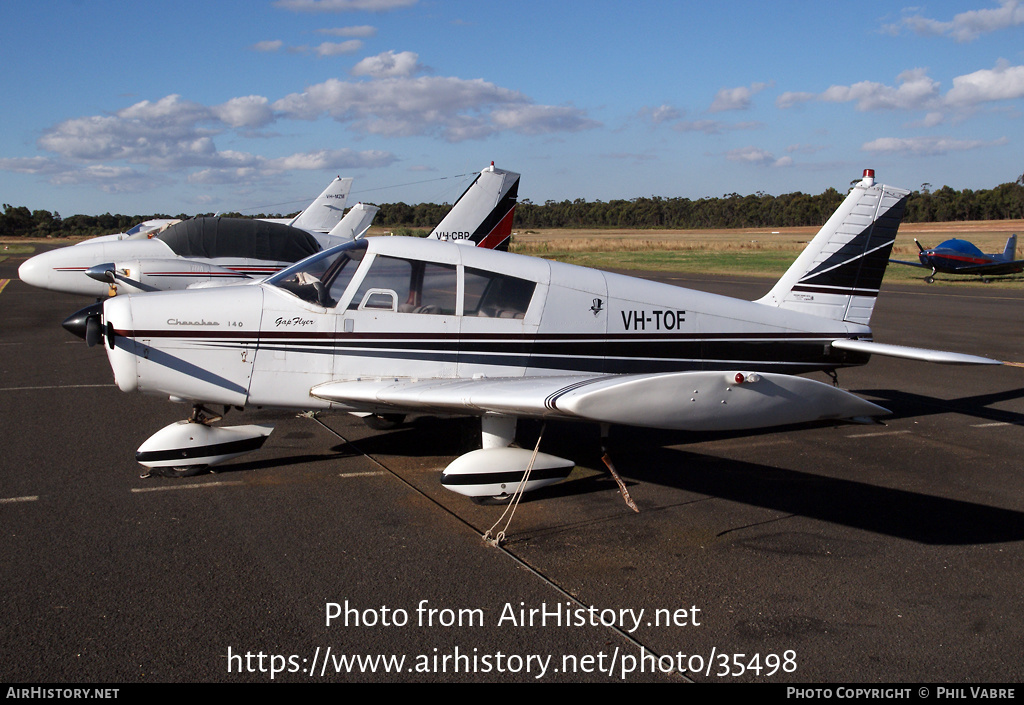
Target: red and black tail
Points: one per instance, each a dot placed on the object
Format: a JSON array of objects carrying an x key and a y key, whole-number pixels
[{"x": 483, "y": 214}]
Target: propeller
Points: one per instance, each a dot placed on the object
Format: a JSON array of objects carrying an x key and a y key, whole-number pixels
[
  {"x": 919, "y": 246},
  {"x": 87, "y": 325}
]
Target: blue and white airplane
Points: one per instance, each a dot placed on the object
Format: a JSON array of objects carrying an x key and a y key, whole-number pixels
[
  {"x": 962, "y": 257},
  {"x": 386, "y": 326}
]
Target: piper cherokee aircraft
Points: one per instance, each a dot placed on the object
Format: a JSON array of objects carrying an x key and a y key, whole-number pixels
[
  {"x": 963, "y": 257},
  {"x": 390, "y": 325},
  {"x": 215, "y": 251}
]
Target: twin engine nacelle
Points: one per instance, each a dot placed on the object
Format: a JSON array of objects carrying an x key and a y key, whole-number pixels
[{"x": 133, "y": 276}]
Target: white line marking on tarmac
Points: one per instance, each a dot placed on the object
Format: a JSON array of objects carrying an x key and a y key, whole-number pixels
[
  {"x": 11, "y": 500},
  {"x": 990, "y": 425},
  {"x": 370, "y": 473},
  {"x": 193, "y": 486},
  {"x": 57, "y": 386},
  {"x": 880, "y": 433}
]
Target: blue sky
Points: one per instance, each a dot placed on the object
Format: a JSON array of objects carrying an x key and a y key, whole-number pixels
[{"x": 255, "y": 105}]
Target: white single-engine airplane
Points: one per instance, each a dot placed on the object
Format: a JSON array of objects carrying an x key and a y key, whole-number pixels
[{"x": 388, "y": 326}]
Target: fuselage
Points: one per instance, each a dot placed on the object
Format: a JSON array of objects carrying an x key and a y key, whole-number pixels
[
  {"x": 953, "y": 256},
  {"x": 410, "y": 308},
  {"x": 202, "y": 251}
]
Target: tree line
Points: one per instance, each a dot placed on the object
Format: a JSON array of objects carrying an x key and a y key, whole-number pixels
[{"x": 732, "y": 210}]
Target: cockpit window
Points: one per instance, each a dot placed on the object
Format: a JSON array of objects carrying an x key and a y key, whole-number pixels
[
  {"x": 493, "y": 295},
  {"x": 323, "y": 278},
  {"x": 413, "y": 285}
]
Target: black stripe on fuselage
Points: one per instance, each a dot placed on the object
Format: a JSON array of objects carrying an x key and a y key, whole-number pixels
[{"x": 627, "y": 353}]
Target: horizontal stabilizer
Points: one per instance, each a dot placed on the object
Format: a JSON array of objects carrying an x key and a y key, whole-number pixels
[
  {"x": 690, "y": 401},
  {"x": 922, "y": 354},
  {"x": 355, "y": 223}
]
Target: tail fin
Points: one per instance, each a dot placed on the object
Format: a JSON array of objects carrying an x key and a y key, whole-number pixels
[
  {"x": 355, "y": 223},
  {"x": 1010, "y": 252},
  {"x": 326, "y": 211},
  {"x": 839, "y": 273},
  {"x": 483, "y": 214}
]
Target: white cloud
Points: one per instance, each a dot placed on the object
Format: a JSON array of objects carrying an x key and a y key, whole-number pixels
[
  {"x": 362, "y": 31},
  {"x": 966, "y": 26},
  {"x": 109, "y": 179},
  {"x": 164, "y": 133},
  {"x": 1004, "y": 82},
  {"x": 453, "y": 108},
  {"x": 915, "y": 91},
  {"x": 324, "y": 159},
  {"x": 541, "y": 119},
  {"x": 756, "y": 155},
  {"x": 332, "y": 159},
  {"x": 247, "y": 111},
  {"x": 149, "y": 141},
  {"x": 735, "y": 98},
  {"x": 926, "y": 146},
  {"x": 663, "y": 113},
  {"x": 29, "y": 165},
  {"x": 269, "y": 46},
  {"x": 791, "y": 98},
  {"x": 343, "y": 5},
  {"x": 389, "y": 65},
  {"x": 338, "y": 48}
]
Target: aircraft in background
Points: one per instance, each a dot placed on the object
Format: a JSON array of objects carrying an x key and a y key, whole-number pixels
[
  {"x": 320, "y": 216},
  {"x": 215, "y": 251},
  {"x": 962, "y": 257},
  {"x": 382, "y": 327},
  {"x": 175, "y": 254},
  {"x": 147, "y": 228}
]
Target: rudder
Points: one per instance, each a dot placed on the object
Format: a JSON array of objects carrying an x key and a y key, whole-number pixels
[{"x": 839, "y": 273}]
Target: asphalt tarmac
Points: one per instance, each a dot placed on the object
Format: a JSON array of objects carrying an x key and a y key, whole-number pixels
[{"x": 827, "y": 553}]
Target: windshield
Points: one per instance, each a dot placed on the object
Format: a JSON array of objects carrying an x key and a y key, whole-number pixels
[{"x": 323, "y": 278}]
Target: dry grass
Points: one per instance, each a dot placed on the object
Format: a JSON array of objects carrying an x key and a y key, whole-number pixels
[
  {"x": 754, "y": 252},
  {"x": 989, "y": 235}
]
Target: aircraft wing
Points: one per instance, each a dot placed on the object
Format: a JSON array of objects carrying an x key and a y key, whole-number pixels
[
  {"x": 909, "y": 264},
  {"x": 692, "y": 401}
]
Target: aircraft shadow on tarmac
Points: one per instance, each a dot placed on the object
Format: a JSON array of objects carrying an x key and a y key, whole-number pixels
[
  {"x": 646, "y": 456},
  {"x": 908, "y": 405},
  {"x": 893, "y": 512}
]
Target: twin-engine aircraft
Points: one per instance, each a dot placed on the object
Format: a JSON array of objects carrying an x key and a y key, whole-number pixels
[
  {"x": 205, "y": 252},
  {"x": 386, "y": 326},
  {"x": 174, "y": 254},
  {"x": 962, "y": 257}
]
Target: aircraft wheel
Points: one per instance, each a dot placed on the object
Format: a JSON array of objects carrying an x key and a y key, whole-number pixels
[
  {"x": 184, "y": 471},
  {"x": 491, "y": 501},
  {"x": 930, "y": 280},
  {"x": 383, "y": 422}
]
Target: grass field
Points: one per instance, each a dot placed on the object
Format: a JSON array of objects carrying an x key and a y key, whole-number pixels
[{"x": 751, "y": 252}]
